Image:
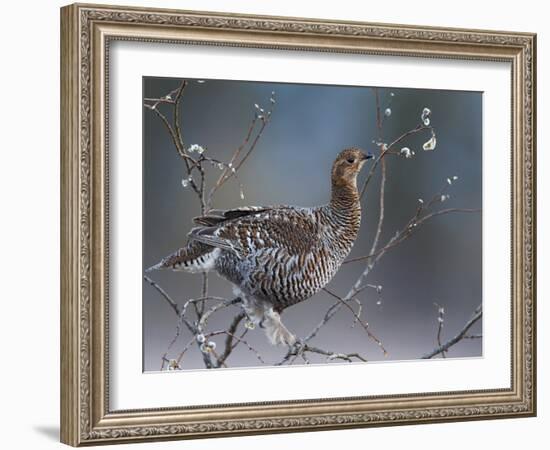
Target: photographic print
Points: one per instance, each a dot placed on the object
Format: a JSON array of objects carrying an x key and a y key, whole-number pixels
[
  {"x": 254, "y": 201},
  {"x": 290, "y": 224}
]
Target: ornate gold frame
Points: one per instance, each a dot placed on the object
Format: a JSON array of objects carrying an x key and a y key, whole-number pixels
[{"x": 86, "y": 31}]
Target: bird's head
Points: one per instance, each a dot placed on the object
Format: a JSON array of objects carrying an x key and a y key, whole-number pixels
[{"x": 347, "y": 165}]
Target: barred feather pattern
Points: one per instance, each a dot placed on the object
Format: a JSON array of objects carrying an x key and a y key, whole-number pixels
[
  {"x": 277, "y": 256},
  {"x": 288, "y": 254}
]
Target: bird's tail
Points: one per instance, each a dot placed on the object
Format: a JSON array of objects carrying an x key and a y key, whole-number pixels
[{"x": 194, "y": 258}]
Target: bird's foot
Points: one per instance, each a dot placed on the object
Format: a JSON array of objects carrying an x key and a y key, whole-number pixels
[
  {"x": 250, "y": 321},
  {"x": 276, "y": 332}
]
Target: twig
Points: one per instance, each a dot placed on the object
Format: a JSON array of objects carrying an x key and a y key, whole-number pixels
[
  {"x": 231, "y": 333},
  {"x": 177, "y": 114},
  {"x": 224, "y": 304},
  {"x": 175, "y": 130},
  {"x": 408, "y": 231},
  {"x": 458, "y": 337},
  {"x": 204, "y": 292},
  {"x": 235, "y": 155},
  {"x": 301, "y": 349},
  {"x": 213, "y": 352},
  {"x": 264, "y": 118},
  {"x": 201, "y": 301},
  {"x": 221, "y": 359},
  {"x": 382, "y": 179},
  {"x": 181, "y": 319},
  {"x": 387, "y": 150},
  {"x": 440, "y": 320},
  {"x": 185, "y": 348},
  {"x": 359, "y": 311},
  {"x": 363, "y": 324},
  {"x": 164, "y": 357},
  {"x": 164, "y": 295}
]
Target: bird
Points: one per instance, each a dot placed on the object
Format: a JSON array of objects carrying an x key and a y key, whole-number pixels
[{"x": 277, "y": 256}]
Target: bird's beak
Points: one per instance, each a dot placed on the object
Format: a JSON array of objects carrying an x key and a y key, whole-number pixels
[{"x": 367, "y": 155}]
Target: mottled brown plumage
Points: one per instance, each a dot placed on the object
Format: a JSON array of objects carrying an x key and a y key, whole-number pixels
[{"x": 278, "y": 256}]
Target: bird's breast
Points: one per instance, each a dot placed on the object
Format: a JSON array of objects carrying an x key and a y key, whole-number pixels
[{"x": 287, "y": 274}]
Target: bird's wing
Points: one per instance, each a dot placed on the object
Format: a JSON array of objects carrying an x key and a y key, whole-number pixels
[
  {"x": 216, "y": 216},
  {"x": 252, "y": 229},
  {"x": 213, "y": 236}
]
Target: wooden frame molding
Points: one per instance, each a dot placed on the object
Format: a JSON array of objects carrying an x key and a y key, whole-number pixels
[{"x": 86, "y": 31}]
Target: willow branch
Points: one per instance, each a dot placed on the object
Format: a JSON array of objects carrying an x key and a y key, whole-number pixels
[
  {"x": 302, "y": 349},
  {"x": 381, "y": 199},
  {"x": 164, "y": 294},
  {"x": 389, "y": 149},
  {"x": 233, "y": 167},
  {"x": 440, "y": 320},
  {"x": 358, "y": 319},
  {"x": 230, "y": 336},
  {"x": 458, "y": 337},
  {"x": 408, "y": 231},
  {"x": 233, "y": 336},
  {"x": 236, "y": 153}
]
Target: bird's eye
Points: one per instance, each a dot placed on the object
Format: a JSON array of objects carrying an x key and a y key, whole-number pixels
[{"x": 351, "y": 160}]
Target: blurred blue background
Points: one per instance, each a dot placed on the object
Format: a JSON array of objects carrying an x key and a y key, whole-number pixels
[{"x": 291, "y": 165}]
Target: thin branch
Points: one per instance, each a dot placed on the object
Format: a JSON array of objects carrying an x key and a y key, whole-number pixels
[
  {"x": 213, "y": 352},
  {"x": 382, "y": 179},
  {"x": 234, "y": 157},
  {"x": 204, "y": 318},
  {"x": 388, "y": 149},
  {"x": 164, "y": 294},
  {"x": 458, "y": 337},
  {"x": 221, "y": 358},
  {"x": 231, "y": 333},
  {"x": 181, "y": 315},
  {"x": 358, "y": 314},
  {"x": 407, "y": 231},
  {"x": 358, "y": 319},
  {"x": 201, "y": 301},
  {"x": 252, "y": 147},
  {"x": 175, "y": 130},
  {"x": 204, "y": 292},
  {"x": 440, "y": 320},
  {"x": 233, "y": 167},
  {"x": 185, "y": 348},
  {"x": 177, "y": 102},
  {"x": 301, "y": 349}
]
